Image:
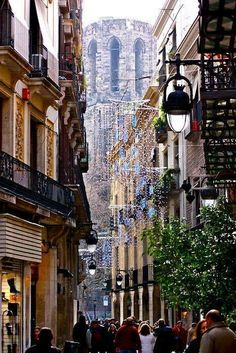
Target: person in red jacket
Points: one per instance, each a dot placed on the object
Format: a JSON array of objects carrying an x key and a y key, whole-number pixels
[
  {"x": 180, "y": 337},
  {"x": 127, "y": 337}
]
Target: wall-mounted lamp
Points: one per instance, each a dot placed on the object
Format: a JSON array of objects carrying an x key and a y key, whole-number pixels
[
  {"x": 92, "y": 241},
  {"x": 178, "y": 105},
  {"x": 190, "y": 197},
  {"x": 65, "y": 272},
  {"x": 92, "y": 267},
  {"x": 119, "y": 276},
  {"x": 186, "y": 186},
  {"x": 205, "y": 186}
]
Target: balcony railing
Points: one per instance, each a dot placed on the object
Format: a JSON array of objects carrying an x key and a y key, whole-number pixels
[
  {"x": 23, "y": 181},
  {"x": 6, "y": 27},
  {"x": 67, "y": 66}
]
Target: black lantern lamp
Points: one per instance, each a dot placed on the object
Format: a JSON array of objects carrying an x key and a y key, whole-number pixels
[
  {"x": 190, "y": 197},
  {"x": 92, "y": 241},
  {"x": 92, "y": 266},
  {"x": 186, "y": 186},
  {"x": 119, "y": 276},
  {"x": 119, "y": 279},
  {"x": 178, "y": 105}
]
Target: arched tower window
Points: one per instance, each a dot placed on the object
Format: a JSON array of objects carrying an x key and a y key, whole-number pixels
[
  {"x": 115, "y": 57},
  {"x": 92, "y": 54},
  {"x": 138, "y": 51}
]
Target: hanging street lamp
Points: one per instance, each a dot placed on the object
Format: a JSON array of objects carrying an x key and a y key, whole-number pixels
[
  {"x": 92, "y": 241},
  {"x": 178, "y": 104},
  {"x": 119, "y": 276},
  {"x": 92, "y": 266}
]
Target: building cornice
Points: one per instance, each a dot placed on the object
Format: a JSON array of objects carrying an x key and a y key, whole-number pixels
[{"x": 163, "y": 17}]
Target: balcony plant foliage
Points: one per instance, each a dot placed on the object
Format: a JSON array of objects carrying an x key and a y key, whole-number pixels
[
  {"x": 196, "y": 269},
  {"x": 163, "y": 186},
  {"x": 159, "y": 121}
]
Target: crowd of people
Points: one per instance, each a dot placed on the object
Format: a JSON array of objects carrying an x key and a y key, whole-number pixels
[{"x": 209, "y": 335}]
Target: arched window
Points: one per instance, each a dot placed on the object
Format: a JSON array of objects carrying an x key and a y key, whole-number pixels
[
  {"x": 115, "y": 56},
  {"x": 92, "y": 54},
  {"x": 138, "y": 51}
]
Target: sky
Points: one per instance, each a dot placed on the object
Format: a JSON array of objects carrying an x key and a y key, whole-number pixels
[{"x": 146, "y": 10}]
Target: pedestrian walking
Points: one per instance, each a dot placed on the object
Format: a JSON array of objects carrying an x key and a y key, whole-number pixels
[
  {"x": 180, "y": 335},
  {"x": 127, "y": 337},
  {"x": 194, "y": 344},
  {"x": 110, "y": 338},
  {"x": 79, "y": 333},
  {"x": 36, "y": 332},
  {"x": 44, "y": 344},
  {"x": 191, "y": 333},
  {"x": 164, "y": 338},
  {"x": 218, "y": 337},
  {"x": 147, "y": 339},
  {"x": 98, "y": 337}
]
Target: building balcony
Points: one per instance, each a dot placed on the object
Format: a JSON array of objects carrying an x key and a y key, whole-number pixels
[
  {"x": 63, "y": 5},
  {"x": 7, "y": 23},
  {"x": 68, "y": 28},
  {"x": 22, "y": 181},
  {"x": 66, "y": 66},
  {"x": 84, "y": 162},
  {"x": 82, "y": 102},
  {"x": 11, "y": 58},
  {"x": 161, "y": 135}
]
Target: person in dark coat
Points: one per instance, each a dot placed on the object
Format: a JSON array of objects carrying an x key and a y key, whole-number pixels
[
  {"x": 79, "y": 334},
  {"x": 110, "y": 338},
  {"x": 164, "y": 338},
  {"x": 44, "y": 344},
  {"x": 98, "y": 337}
]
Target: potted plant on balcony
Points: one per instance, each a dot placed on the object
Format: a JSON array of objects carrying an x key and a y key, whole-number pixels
[
  {"x": 168, "y": 180},
  {"x": 163, "y": 186},
  {"x": 160, "y": 125}
]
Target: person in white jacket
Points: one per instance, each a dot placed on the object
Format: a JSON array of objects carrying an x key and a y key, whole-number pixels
[{"x": 147, "y": 339}]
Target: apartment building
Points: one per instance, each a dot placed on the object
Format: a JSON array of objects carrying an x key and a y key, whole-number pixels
[{"x": 44, "y": 207}]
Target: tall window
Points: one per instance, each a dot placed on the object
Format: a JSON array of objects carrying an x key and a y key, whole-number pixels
[
  {"x": 92, "y": 54},
  {"x": 115, "y": 57},
  {"x": 138, "y": 51}
]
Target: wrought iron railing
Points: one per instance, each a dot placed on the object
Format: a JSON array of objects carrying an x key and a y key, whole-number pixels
[
  {"x": 24, "y": 181},
  {"x": 219, "y": 73},
  {"x": 66, "y": 66},
  {"x": 6, "y": 27}
]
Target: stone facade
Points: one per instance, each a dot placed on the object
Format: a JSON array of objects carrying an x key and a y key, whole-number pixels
[
  {"x": 100, "y": 99},
  {"x": 119, "y": 57}
]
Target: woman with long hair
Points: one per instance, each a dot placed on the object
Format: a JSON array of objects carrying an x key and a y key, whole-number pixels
[
  {"x": 147, "y": 338},
  {"x": 194, "y": 345}
]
